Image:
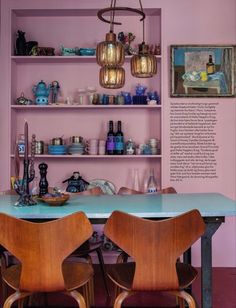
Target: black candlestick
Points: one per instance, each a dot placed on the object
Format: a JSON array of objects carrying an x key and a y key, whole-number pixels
[
  {"x": 43, "y": 183},
  {"x": 22, "y": 186}
]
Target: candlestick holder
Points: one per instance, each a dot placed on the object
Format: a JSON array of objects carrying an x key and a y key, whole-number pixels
[{"x": 21, "y": 186}]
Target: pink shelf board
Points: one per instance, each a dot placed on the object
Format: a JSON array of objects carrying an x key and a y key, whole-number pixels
[
  {"x": 64, "y": 106},
  {"x": 94, "y": 156},
  {"x": 77, "y": 12},
  {"x": 61, "y": 59}
]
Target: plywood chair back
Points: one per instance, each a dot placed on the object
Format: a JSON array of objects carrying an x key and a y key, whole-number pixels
[
  {"x": 95, "y": 191},
  {"x": 168, "y": 190},
  {"x": 128, "y": 191},
  {"x": 42, "y": 247},
  {"x": 8, "y": 192},
  {"x": 165, "y": 241}
]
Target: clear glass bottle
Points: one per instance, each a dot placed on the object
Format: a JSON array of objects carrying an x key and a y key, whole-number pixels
[
  {"x": 152, "y": 183},
  {"x": 21, "y": 143},
  {"x": 136, "y": 182},
  {"x": 35, "y": 187}
]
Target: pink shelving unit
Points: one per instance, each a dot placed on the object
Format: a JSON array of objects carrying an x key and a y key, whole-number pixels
[{"x": 71, "y": 27}]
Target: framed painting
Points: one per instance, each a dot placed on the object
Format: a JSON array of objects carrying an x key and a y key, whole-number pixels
[{"x": 202, "y": 71}]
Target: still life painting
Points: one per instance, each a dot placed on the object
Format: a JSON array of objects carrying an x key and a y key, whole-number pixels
[{"x": 202, "y": 71}]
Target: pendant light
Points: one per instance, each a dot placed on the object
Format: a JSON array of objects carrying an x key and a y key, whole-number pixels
[
  {"x": 144, "y": 64},
  {"x": 110, "y": 56},
  {"x": 112, "y": 77}
]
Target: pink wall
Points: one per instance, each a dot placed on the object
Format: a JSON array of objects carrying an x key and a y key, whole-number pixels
[{"x": 183, "y": 22}]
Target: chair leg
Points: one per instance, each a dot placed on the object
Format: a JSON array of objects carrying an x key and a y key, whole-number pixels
[
  {"x": 85, "y": 293},
  {"x": 17, "y": 296},
  {"x": 186, "y": 296},
  {"x": 91, "y": 291},
  {"x": 78, "y": 297},
  {"x": 121, "y": 297},
  {"x": 122, "y": 258},
  {"x": 102, "y": 266}
]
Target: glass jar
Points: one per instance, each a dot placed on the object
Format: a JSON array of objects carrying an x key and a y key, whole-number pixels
[{"x": 21, "y": 143}]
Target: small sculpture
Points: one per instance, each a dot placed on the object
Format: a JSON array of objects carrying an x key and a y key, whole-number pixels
[
  {"x": 41, "y": 92},
  {"x": 21, "y": 186},
  {"x": 65, "y": 51},
  {"x": 29, "y": 46},
  {"x": 22, "y": 100},
  {"x": 126, "y": 40},
  {"x": 76, "y": 183},
  {"x": 55, "y": 87},
  {"x": 20, "y": 44},
  {"x": 140, "y": 90}
]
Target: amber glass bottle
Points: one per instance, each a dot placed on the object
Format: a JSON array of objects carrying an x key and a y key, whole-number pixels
[{"x": 210, "y": 66}]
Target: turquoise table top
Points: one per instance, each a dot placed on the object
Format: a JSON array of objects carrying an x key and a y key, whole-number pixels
[{"x": 95, "y": 207}]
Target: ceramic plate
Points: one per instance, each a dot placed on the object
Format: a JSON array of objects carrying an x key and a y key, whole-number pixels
[{"x": 106, "y": 186}]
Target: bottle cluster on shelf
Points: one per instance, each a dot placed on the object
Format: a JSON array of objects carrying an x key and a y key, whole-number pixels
[
  {"x": 50, "y": 94},
  {"x": 113, "y": 144}
]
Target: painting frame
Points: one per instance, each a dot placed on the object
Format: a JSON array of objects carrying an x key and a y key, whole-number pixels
[{"x": 202, "y": 70}]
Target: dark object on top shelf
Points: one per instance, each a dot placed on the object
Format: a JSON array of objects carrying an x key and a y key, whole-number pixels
[
  {"x": 29, "y": 46},
  {"x": 76, "y": 183},
  {"x": 42, "y": 51},
  {"x": 20, "y": 44}
]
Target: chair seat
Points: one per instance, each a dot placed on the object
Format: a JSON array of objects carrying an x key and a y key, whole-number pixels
[
  {"x": 75, "y": 275},
  {"x": 122, "y": 274}
]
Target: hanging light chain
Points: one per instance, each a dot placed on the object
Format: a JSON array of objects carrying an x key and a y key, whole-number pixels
[
  {"x": 141, "y": 8},
  {"x": 112, "y": 15}
]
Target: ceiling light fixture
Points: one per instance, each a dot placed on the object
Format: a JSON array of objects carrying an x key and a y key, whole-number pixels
[
  {"x": 110, "y": 53},
  {"x": 144, "y": 64}
]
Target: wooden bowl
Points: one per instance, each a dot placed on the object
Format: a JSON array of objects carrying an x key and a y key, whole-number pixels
[{"x": 56, "y": 201}]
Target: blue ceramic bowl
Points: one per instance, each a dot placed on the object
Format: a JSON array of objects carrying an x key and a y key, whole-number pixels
[{"x": 87, "y": 51}]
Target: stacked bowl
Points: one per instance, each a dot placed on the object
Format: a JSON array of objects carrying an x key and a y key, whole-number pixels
[{"x": 57, "y": 149}]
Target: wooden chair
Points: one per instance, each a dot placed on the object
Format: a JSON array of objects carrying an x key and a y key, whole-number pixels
[
  {"x": 41, "y": 249},
  {"x": 156, "y": 271},
  {"x": 95, "y": 191},
  {"x": 88, "y": 247},
  {"x": 123, "y": 257},
  {"x": 168, "y": 190},
  {"x": 128, "y": 191}
]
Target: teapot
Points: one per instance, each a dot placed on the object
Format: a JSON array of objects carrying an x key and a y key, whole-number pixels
[{"x": 41, "y": 92}]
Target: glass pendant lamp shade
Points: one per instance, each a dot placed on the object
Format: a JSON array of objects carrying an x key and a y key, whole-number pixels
[
  {"x": 110, "y": 52},
  {"x": 112, "y": 77},
  {"x": 143, "y": 65}
]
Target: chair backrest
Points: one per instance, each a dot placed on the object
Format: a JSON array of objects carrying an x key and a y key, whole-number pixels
[
  {"x": 8, "y": 192},
  {"x": 95, "y": 191},
  {"x": 128, "y": 191},
  {"x": 42, "y": 247},
  {"x": 154, "y": 245},
  {"x": 168, "y": 190}
]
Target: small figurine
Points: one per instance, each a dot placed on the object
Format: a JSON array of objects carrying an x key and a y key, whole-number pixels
[
  {"x": 140, "y": 90},
  {"x": 76, "y": 183},
  {"x": 126, "y": 40},
  {"x": 29, "y": 46},
  {"x": 55, "y": 87},
  {"x": 41, "y": 92},
  {"x": 22, "y": 100},
  {"x": 20, "y": 44}
]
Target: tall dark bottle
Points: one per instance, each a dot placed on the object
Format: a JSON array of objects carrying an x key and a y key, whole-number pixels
[
  {"x": 110, "y": 144},
  {"x": 119, "y": 140},
  {"x": 210, "y": 66}
]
